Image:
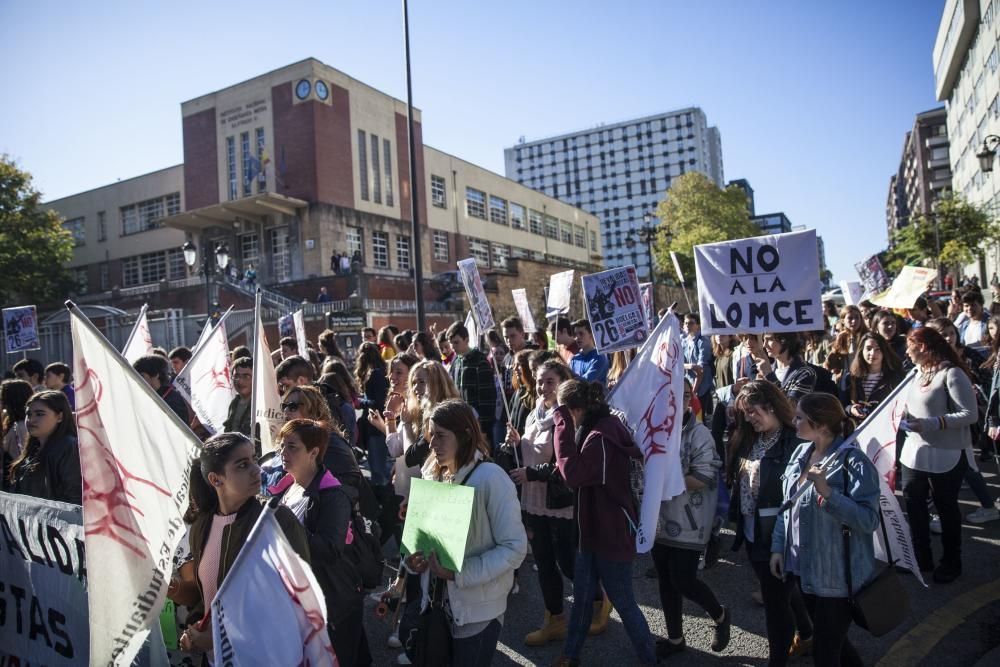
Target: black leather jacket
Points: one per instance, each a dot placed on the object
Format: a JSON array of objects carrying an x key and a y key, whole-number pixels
[{"x": 52, "y": 473}]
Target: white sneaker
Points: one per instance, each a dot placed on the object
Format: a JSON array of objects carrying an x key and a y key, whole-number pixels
[
  {"x": 935, "y": 524},
  {"x": 401, "y": 659},
  {"x": 393, "y": 641},
  {"x": 982, "y": 515}
]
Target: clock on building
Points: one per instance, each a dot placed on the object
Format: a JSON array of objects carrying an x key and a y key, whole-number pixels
[
  {"x": 302, "y": 89},
  {"x": 322, "y": 92}
]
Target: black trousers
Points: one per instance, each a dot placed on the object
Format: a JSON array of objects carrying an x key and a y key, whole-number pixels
[
  {"x": 784, "y": 611},
  {"x": 831, "y": 620},
  {"x": 553, "y": 545},
  {"x": 943, "y": 487},
  {"x": 677, "y": 570},
  {"x": 349, "y": 640}
]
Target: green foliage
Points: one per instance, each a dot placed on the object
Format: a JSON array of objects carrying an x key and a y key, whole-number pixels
[
  {"x": 34, "y": 247},
  {"x": 696, "y": 211},
  {"x": 952, "y": 235}
]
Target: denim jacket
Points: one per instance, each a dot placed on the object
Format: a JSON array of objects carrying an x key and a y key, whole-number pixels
[{"x": 821, "y": 548}]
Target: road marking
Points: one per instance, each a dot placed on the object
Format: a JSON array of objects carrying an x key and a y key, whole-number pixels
[{"x": 922, "y": 638}]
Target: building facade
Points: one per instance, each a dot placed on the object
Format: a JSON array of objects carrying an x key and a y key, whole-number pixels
[
  {"x": 966, "y": 62},
  {"x": 772, "y": 223},
  {"x": 295, "y": 170},
  {"x": 924, "y": 171},
  {"x": 620, "y": 172}
]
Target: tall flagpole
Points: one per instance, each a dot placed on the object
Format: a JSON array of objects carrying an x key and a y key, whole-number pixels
[
  {"x": 417, "y": 253},
  {"x": 134, "y": 327}
]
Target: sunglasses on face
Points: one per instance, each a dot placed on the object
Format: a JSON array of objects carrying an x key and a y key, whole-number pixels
[{"x": 291, "y": 406}]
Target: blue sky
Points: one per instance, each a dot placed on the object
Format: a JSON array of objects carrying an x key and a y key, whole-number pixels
[{"x": 812, "y": 99}]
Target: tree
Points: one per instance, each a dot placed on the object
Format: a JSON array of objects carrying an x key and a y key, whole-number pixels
[
  {"x": 952, "y": 235},
  {"x": 696, "y": 211},
  {"x": 34, "y": 246}
]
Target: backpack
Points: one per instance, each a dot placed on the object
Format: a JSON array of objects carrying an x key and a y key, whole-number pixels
[
  {"x": 365, "y": 551},
  {"x": 824, "y": 380}
]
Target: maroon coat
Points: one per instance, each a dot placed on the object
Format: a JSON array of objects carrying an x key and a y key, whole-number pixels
[{"x": 598, "y": 469}]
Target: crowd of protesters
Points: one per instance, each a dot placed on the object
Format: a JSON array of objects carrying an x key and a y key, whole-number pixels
[{"x": 524, "y": 420}]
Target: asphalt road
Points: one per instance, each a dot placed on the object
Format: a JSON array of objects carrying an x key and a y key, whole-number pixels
[{"x": 955, "y": 624}]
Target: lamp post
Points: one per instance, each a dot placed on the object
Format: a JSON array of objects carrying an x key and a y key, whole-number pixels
[
  {"x": 647, "y": 233},
  {"x": 989, "y": 151},
  {"x": 208, "y": 269}
]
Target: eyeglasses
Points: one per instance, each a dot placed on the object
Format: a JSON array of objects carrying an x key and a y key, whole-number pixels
[{"x": 290, "y": 406}]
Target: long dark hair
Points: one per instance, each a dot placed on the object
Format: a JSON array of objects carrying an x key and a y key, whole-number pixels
[
  {"x": 369, "y": 359},
  {"x": 328, "y": 344},
  {"x": 994, "y": 342},
  {"x": 890, "y": 362},
  {"x": 58, "y": 403},
  {"x": 456, "y": 416},
  {"x": 759, "y": 393},
  {"x": 345, "y": 382},
  {"x": 14, "y": 395},
  {"x": 826, "y": 410},
  {"x": 938, "y": 348},
  {"x": 428, "y": 347},
  {"x": 216, "y": 452}
]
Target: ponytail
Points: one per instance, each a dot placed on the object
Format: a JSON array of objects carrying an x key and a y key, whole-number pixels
[
  {"x": 577, "y": 394},
  {"x": 823, "y": 409}
]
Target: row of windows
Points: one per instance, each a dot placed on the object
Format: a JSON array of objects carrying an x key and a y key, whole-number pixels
[
  {"x": 380, "y": 248},
  {"x": 143, "y": 216},
  {"x": 153, "y": 267},
  {"x": 498, "y": 210},
  {"x": 600, "y": 136},
  {"x": 251, "y": 164},
  {"x": 380, "y": 174},
  {"x": 622, "y": 150}
]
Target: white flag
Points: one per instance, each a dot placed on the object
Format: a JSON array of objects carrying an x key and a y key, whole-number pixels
[
  {"x": 876, "y": 437},
  {"x": 140, "y": 342},
  {"x": 135, "y": 457},
  {"x": 266, "y": 401},
  {"x": 205, "y": 381},
  {"x": 299, "y": 321},
  {"x": 470, "y": 324},
  {"x": 205, "y": 332},
  {"x": 650, "y": 396},
  {"x": 524, "y": 310},
  {"x": 560, "y": 293},
  {"x": 270, "y": 609}
]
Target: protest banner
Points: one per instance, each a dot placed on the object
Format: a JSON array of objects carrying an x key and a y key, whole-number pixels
[
  {"x": 853, "y": 292},
  {"x": 873, "y": 277},
  {"x": 299, "y": 324},
  {"x": 205, "y": 381},
  {"x": 140, "y": 342},
  {"x": 481, "y": 310},
  {"x": 646, "y": 293},
  {"x": 470, "y": 325},
  {"x": 524, "y": 310},
  {"x": 614, "y": 307},
  {"x": 760, "y": 284},
  {"x": 437, "y": 519},
  {"x": 265, "y": 403},
  {"x": 135, "y": 460},
  {"x": 206, "y": 331},
  {"x": 290, "y": 629},
  {"x": 911, "y": 282},
  {"x": 20, "y": 324},
  {"x": 286, "y": 327},
  {"x": 43, "y": 582},
  {"x": 650, "y": 398},
  {"x": 560, "y": 292}
]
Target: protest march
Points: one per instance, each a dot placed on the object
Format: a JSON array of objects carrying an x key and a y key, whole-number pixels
[{"x": 273, "y": 505}]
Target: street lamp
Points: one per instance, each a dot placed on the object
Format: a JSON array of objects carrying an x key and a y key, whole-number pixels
[
  {"x": 190, "y": 251},
  {"x": 986, "y": 153},
  {"x": 646, "y": 233}
]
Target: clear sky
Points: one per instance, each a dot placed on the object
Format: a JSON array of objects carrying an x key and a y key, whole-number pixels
[{"x": 812, "y": 99}]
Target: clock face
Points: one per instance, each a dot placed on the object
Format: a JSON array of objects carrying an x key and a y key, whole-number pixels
[
  {"x": 302, "y": 89},
  {"x": 322, "y": 91}
]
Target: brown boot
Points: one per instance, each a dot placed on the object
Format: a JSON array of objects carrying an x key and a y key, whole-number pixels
[
  {"x": 602, "y": 612},
  {"x": 553, "y": 628}
]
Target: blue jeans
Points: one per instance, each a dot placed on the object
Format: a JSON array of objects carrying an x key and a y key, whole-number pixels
[
  {"x": 978, "y": 485},
  {"x": 616, "y": 577},
  {"x": 378, "y": 459},
  {"x": 477, "y": 650}
]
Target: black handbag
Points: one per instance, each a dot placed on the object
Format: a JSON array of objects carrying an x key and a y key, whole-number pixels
[
  {"x": 430, "y": 644},
  {"x": 882, "y": 604},
  {"x": 557, "y": 495}
]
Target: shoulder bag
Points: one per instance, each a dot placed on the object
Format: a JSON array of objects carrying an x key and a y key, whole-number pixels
[{"x": 882, "y": 604}]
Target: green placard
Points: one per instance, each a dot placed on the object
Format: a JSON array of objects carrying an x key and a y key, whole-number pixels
[
  {"x": 437, "y": 519},
  {"x": 168, "y": 625}
]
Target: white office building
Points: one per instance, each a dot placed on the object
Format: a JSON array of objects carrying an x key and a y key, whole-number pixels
[
  {"x": 620, "y": 172},
  {"x": 966, "y": 78}
]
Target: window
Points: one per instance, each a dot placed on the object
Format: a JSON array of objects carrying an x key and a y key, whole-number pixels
[
  {"x": 566, "y": 235},
  {"x": 245, "y": 148},
  {"x": 380, "y": 249},
  {"x": 249, "y": 250},
  {"x": 231, "y": 166},
  {"x": 376, "y": 173},
  {"x": 281, "y": 267},
  {"x": 261, "y": 174},
  {"x": 440, "y": 246},
  {"x": 176, "y": 268},
  {"x": 480, "y": 250},
  {"x": 535, "y": 220},
  {"x": 475, "y": 203},
  {"x": 551, "y": 227},
  {"x": 149, "y": 268},
  {"x": 593, "y": 241},
  {"x": 354, "y": 241},
  {"x": 993, "y": 60},
  {"x": 104, "y": 277},
  {"x": 80, "y": 278},
  {"x": 153, "y": 268},
  {"x": 102, "y": 226},
  {"x": 387, "y": 166},
  {"x": 363, "y": 164},
  {"x": 438, "y": 192},
  {"x": 403, "y": 253},
  {"x": 75, "y": 227},
  {"x": 516, "y": 216},
  {"x": 500, "y": 255},
  {"x": 579, "y": 237},
  {"x": 498, "y": 210},
  {"x": 146, "y": 215}
]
